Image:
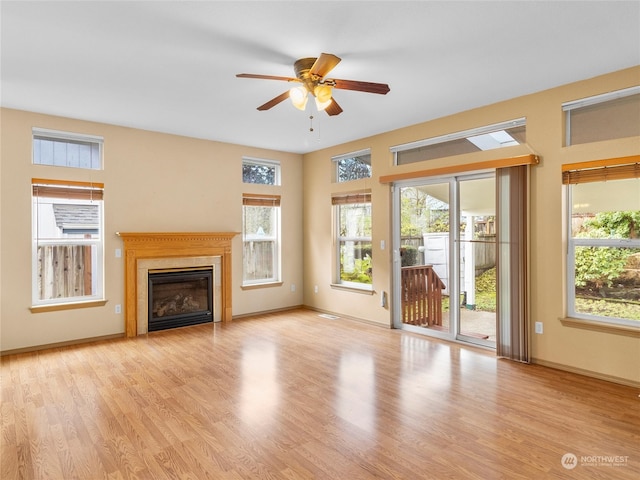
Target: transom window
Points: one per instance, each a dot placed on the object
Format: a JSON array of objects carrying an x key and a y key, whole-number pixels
[
  {"x": 352, "y": 166},
  {"x": 499, "y": 135},
  {"x": 264, "y": 172},
  {"x": 63, "y": 149},
  {"x": 603, "y": 117}
]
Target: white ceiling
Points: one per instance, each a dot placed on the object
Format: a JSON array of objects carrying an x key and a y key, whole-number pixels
[{"x": 170, "y": 66}]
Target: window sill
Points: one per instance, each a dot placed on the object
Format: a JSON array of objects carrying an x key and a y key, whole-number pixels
[
  {"x": 67, "y": 306},
  {"x": 363, "y": 290},
  {"x": 594, "y": 325},
  {"x": 261, "y": 285}
]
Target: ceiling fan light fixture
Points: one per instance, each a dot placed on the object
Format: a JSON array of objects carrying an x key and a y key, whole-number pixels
[
  {"x": 299, "y": 97},
  {"x": 322, "y": 105},
  {"x": 322, "y": 93},
  {"x": 323, "y": 96}
]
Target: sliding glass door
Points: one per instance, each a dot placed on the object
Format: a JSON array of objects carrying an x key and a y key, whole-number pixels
[{"x": 445, "y": 266}]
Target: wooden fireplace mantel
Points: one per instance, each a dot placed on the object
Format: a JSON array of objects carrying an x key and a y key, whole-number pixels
[{"x": 148, "y": 245}]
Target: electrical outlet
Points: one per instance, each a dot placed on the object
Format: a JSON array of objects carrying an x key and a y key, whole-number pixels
[
  {"x": 539, "y": 328},
  {"x": 315, "y": 289},
  {"x": 118, "y": 252},
  {"x": 118, "y": 308},
  {"x": 293, "y": 287}
]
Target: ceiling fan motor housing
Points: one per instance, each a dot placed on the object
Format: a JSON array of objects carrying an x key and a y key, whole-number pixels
[{"x": 302, "y": 68}]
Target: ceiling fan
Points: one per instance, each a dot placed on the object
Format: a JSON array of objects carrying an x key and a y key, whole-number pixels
[{"x": 311, "y": 73}]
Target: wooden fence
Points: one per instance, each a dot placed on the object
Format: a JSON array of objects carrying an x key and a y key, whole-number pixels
[
  {"x": 258, "y": 258},
  {"x": 64, "y": 271}
]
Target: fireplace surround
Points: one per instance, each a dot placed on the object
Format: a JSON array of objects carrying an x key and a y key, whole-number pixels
[{"x": 144, "y": 251}]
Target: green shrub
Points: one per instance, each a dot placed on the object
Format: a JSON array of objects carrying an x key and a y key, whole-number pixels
[
  {"x": 600, "y": 266},
  {"x": 362, "y": 267},
  {"x": 408, "y": 256},
  {"x": 362, "y": 271}
]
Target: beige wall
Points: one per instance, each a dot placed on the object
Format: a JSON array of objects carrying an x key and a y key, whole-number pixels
[
  {"x": 607, "y": 355},
  {"x": 153, "y": 182}
]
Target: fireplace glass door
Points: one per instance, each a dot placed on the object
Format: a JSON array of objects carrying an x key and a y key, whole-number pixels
[{"x": 178, "y": 298}]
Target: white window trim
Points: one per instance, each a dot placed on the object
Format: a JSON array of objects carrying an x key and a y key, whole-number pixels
[
  {"x": 357, "y": 153},
  {"x": 60, "y": 135},
  {"x": 277, "y": 263},
  {"x": 67, "y": 136},
  {"x": 336, "y": 164},
  {"x": 99, "y": 278},
  {"x": 605, "y": 97},
  {"x": 572, "y": 243}
]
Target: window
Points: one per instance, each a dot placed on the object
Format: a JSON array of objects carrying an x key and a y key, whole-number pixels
[
  {"x": 353, "y": 239},
  {"x": 603, "y": 117},
  {"x": 603, "y": 263},
  {"x": 261, "y": 239},
  {"x": 500, "y": 135},
  {"x": 63, "y": 149},
  {"x": 264, "y": 172},
  {"x": 67, "y": 242},
  {"x": 352, "y": 166}
]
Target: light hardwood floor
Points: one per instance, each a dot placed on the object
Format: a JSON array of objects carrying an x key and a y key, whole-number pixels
[{"x": 296, "y": 396}]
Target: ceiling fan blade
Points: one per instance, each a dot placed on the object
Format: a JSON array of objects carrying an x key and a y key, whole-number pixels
[
  {"x": 266, "y": 77},
  {"x": 369, "y": 87},
  {"x": 324, "y": 64},
  {"x": 333, "y": 108},
  {"x": 274, "y": 101}
]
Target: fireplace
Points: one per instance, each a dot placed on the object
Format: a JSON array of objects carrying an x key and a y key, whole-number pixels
[
  {"x": 179, "y": 297},
  {"x": 146, "y": 252}
]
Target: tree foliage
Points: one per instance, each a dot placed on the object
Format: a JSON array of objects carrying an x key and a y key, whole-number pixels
[
  {"x": 422, "y": 213},
  {"x": 600, "y": 266},
  {"x": 260, "y": 174},
  {"x": 624, "y": 224},
  {"x": 354, "y": 168}
]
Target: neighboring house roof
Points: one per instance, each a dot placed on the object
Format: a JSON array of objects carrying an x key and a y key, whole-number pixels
[{"x": 70, "y": 216}]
